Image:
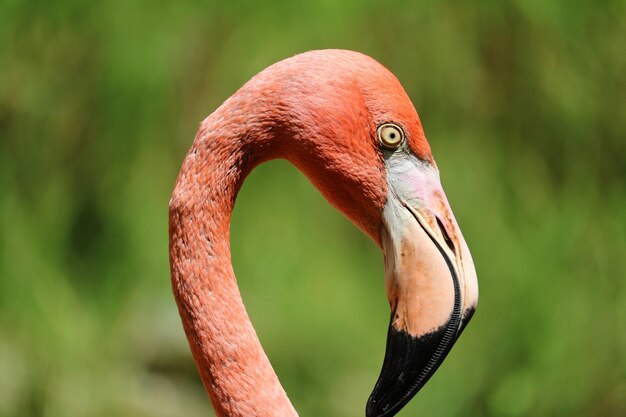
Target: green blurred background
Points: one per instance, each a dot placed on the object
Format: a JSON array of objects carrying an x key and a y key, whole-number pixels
[{"x": 523, "y": 104}]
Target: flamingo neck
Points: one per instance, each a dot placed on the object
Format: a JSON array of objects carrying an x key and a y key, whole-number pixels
[{"x": 232, "y": 364}]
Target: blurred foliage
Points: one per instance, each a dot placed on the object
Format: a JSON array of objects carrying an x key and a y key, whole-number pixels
[{"x": 523, "y": 104}]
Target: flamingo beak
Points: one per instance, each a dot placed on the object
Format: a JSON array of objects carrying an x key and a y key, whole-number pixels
[{"x": 431, "y": 286}]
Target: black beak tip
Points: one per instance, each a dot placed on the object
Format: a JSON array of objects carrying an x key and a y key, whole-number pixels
[
  {"x": 409, "y": 363},
  {"x": 372, "y": 410},
  {"x": 376, "y": 408}
]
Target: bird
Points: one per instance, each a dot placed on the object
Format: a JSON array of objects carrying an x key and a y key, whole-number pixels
[{"x": 346, "y": 122}]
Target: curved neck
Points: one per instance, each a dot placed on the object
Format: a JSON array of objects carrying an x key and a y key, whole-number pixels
[{"x": 234, "y": 368}]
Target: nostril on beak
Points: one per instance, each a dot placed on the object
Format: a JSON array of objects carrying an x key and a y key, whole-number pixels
[{"x": 445, "y": 235}]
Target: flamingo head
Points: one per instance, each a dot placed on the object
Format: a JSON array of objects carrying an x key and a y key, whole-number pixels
[{"x": 350, "y": 127}]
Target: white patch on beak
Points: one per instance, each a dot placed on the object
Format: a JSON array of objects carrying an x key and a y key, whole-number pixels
[{"x": 424, "y": 249}]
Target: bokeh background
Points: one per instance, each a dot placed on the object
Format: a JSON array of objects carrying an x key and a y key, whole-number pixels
[{"x": 523, "y": 104}]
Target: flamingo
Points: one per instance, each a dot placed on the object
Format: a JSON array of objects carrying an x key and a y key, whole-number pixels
[{"x": 345, "y": 121}]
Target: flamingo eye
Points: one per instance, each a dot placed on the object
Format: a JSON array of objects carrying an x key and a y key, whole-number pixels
[{"x": 390, "y": 135}]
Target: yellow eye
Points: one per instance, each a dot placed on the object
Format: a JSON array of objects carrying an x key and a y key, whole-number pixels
[{"x": 390, "y": 135}]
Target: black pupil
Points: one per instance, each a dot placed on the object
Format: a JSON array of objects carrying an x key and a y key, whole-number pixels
[{"x": 392, "y": 135}]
